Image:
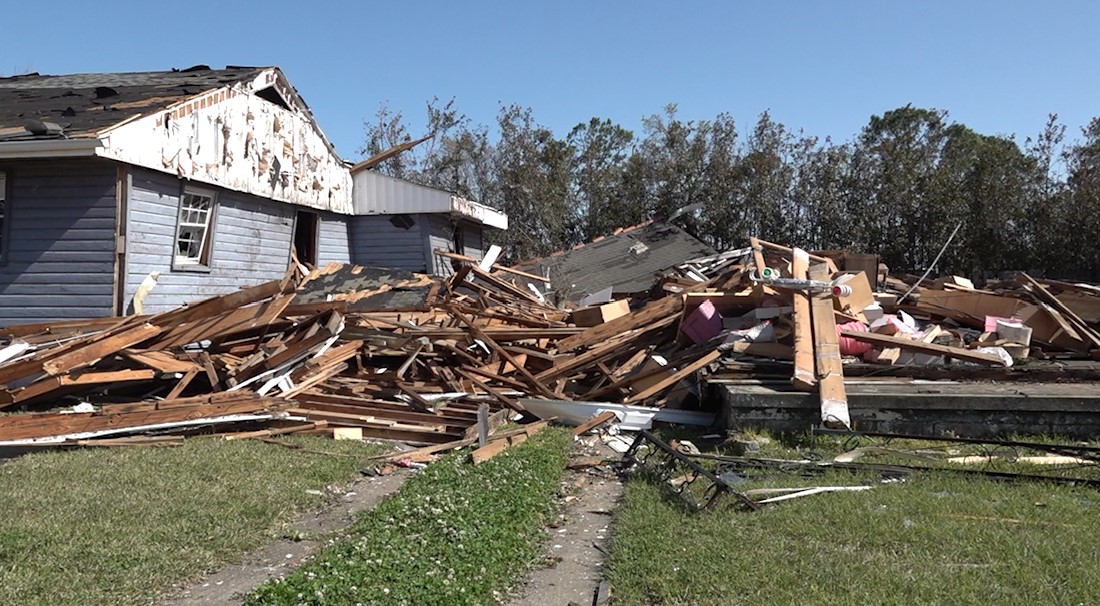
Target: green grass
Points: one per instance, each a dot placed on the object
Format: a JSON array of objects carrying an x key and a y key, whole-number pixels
[
  {"x": 937, "y": 538},
  {"x": 118, "y": 526},
  {"x": 453, "y": 534}
]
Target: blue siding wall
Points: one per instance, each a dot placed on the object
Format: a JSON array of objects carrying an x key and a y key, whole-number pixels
[
  {"x": 61, "y": 249},
  {"x": 474, "y": 241},
  {"x": 332, "y": 241},
  {"x": 252, "y": 239},
  {"x": 442, "y": 237},
  {"x": 377, "y": 242}
]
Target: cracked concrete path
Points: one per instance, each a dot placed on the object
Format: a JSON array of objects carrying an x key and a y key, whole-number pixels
[
  {"x": 230, "y": 585},
  {"x": 579, "y": 539}
]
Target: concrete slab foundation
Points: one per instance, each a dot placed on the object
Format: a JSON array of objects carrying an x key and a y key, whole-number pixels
[{"x": 980, "y": 410}]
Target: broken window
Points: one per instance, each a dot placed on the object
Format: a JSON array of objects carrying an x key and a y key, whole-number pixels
[{"x": 193, "y": 233}]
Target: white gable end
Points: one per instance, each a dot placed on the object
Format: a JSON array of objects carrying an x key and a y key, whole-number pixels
[{"x": 232, "y": 138}]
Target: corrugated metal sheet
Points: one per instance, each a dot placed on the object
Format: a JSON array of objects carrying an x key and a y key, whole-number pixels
[
  {"x": 377, "y": 194},
  {"x": 60, "y": 262}
]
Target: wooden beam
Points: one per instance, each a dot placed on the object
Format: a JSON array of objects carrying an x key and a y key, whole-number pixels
[
  {"x": 803, "y": 327},
  {"x": 656, "y": 310},
  {"x": 830, "y": 370},
  {"x": 595, "y": 421},
  {"x": 674, "y": 377},
  {"x": 479, "y": 334},
  {"x": 925, "y": 348}
]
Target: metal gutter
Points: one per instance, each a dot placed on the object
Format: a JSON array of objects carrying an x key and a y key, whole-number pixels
[
  {"x": 485, "y": 215},
  {"x": 49, "y": 148}
]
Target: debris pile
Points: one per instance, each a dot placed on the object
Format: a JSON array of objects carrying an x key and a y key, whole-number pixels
[{"x": 442, "y": 362}]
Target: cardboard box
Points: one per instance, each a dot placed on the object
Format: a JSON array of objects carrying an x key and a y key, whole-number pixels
[
  {"x": 852, "y": 294},
  {"x": 598, "y": 314}
]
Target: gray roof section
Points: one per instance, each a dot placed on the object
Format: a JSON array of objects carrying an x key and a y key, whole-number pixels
[
  {"x": 87, "y": 103},
  {"x": 628, "y": 262}
]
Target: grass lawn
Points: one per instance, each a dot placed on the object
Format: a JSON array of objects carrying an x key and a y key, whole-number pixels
[
  {"x": 936, "y": 538},
  {"x": 118, "y": 526},
  {"x": 453, "y": 534}
]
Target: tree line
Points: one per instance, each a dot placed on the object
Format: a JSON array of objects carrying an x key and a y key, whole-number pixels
[{"x": 899, "y": 188}]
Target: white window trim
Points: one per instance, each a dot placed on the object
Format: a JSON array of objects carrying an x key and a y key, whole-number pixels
[{"x": 185, "y": 219}]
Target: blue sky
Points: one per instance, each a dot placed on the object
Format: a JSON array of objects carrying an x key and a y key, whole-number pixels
[{"x": 824, "y": 67}]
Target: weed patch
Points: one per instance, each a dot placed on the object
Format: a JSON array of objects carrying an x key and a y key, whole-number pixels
[{"x": 454, "y": 534}]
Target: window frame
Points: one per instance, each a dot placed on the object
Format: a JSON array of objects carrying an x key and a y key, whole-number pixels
[{"x": 203, "y": 262}]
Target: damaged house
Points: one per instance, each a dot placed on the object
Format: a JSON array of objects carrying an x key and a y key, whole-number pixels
[{"x": 125, "y": 192}]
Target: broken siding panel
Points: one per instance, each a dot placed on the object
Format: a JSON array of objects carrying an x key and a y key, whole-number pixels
[
  {"x": 332, "y": 239},
  {"x": 60, "y": 260},
  {"x": 377, "y": 242},
  {"x": 251, "y": 243},
  {"x": 473, "y": 241},
  {"x": 441, "y": 238}
]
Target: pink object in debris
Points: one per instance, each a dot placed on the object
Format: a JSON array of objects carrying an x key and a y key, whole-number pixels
[
  {"x": 848, "y": 345},
  {"x": 991, "y": 322},
  {"x": 703, "y": 324}
]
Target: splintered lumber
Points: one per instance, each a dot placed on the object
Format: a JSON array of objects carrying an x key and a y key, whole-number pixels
[
  {"x": 926, "y": 348},
  {"x": 164, "y": 413},
  {"x": 1046, "y": 297},
  {"x": 491, "y": 344},
  {"x": 465, "y": 259},
  {"x": 276, "y": 431},
  {"x": 597, "y": 420},
  {"x": 803, "y": 327},
  {"x": 91, "y": 353},
  {"x": 830, "y": 370},
  {"x": 674, "y": 377},
  {"x": 503, "y": 442},
  {"x": 652, "y": 312}
]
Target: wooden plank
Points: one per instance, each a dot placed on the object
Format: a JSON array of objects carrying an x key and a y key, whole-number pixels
[
  {"x": 832, "y": 269},
  {"x": 830, "y": 370},
  {"x": 664, "y": 307},
  {"x": 95, "y": 351},
  {"x": 1045, "y": 295},
  {"x": 417, "y": 401},
  {"x": 674, "y": 377},
  {"x": 161, "y": 361},
  {"x": 596, "y": 421},
  {"x": 477, "y": 333},
  {"x": 183, "y": 383},
  {"x": 608, "y": 350},
  {"x": 926, "y": 348},
  {"x": 19, "y": 427},
  {"x": 503, "y": 399},
  {"x": 803, "y": 327}
]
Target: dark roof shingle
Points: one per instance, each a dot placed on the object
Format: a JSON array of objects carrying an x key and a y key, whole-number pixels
[
  {"x": 628, "y": 261},
  {"x": 84, "y": 104}
]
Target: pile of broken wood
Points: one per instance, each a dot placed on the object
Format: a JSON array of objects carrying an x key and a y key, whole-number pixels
[{"x": 434, "y": 362}]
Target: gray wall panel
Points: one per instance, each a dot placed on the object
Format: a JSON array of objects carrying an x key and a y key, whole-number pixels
[
  {"x": 377, "y": 242},
  {"x": 252, "y": 239},
  {"x": 60, "y": 254}
]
